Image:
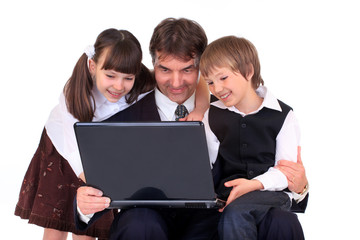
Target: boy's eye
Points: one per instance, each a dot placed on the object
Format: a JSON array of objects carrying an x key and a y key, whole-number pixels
[
  {"x": 223, "y": 78},
  {"x": 209, "y": 83}
]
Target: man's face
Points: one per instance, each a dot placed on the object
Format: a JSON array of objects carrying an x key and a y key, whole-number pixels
[{"x": 175, "y": 78}]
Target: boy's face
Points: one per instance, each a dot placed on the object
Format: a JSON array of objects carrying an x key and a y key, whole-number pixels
[
  {"x": 230, "y": 87},
  {"x": 175, "y": 78}
]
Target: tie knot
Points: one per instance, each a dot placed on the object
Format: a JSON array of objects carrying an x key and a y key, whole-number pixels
[{"x": 181, "y": 112}]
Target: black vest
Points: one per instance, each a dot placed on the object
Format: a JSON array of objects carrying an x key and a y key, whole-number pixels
[{"x": 247, "y": 144}]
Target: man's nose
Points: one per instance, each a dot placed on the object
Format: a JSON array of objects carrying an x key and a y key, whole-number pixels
[{"x": 177, "y": 80}]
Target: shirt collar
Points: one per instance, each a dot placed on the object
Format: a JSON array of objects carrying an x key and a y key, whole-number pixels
[
  {"x": 269, "y": 102},
  {"x": 168, "y": 107},
  {"x": 104, "y": 108}
]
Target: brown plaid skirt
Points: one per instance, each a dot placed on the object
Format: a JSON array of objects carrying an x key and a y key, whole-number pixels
[{"x": 48, "y": 191}]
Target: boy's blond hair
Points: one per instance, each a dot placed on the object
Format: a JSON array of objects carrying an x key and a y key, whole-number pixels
[{"x": 238, "y": 54}]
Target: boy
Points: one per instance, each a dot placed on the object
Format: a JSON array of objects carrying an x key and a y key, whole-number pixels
[{"x": 248, "y": 131}]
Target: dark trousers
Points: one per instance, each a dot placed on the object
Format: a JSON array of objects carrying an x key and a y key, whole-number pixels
[
  {"x": 280, "y": 225},
  {"x": 158, "y": 224},
  {"x": 241, "y": 217}
]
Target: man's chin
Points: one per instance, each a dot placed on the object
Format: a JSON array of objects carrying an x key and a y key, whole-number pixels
[{"x": 179, "y": 99}]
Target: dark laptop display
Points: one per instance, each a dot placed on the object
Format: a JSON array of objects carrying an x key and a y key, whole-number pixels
[{"x": 154, "y": 164}]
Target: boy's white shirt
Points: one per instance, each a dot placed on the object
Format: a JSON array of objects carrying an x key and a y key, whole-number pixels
[
  {"x": 287, "y": 142},
  {"x": 60, "y": 125}
]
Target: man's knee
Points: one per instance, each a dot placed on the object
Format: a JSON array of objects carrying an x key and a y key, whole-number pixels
[{"x": 280, "y": 224}]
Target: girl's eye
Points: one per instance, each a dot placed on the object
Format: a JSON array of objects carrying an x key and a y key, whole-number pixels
[
  {"x": 109, "y": 76},
  {"x": 129, "y": 78},
  {"x": 209, "y": 83}
]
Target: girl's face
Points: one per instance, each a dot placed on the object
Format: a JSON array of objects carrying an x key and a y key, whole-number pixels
[
  {"x": 112, "y": 84},
  {"x": 228, "y": 86}
]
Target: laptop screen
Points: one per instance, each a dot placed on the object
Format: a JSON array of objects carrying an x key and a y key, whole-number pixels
[{"x": 146, "y": 160}]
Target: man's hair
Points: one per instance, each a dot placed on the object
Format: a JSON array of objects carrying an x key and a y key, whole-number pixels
[
  {"x": 182, "y": 38},
  {"x": 238, "y": 54}
]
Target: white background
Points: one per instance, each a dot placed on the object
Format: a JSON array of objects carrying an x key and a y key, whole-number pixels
[{"x": 309, "y": 51}]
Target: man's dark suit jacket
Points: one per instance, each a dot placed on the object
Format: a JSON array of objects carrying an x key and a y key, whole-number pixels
[{"x": 146, "y": 110}]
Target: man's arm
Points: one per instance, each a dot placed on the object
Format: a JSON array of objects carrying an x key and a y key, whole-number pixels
[{"x": 297, "y": 180}]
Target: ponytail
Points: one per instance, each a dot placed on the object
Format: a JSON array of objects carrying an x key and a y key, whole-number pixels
[{"x": 77, "y": 91}]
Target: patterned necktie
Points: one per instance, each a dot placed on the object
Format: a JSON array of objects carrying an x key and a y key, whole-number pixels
[{"x": 181, "y": 112}]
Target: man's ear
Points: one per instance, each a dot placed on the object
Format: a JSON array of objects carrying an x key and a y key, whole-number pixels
[
  {"x": 92, "y": 67},
  {"x": 250, "y": 73}
]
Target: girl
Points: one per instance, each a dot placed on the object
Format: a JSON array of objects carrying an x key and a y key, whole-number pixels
[{"x": 102, "y": 83}]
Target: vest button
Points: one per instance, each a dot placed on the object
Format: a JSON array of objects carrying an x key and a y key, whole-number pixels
[
  {"x": 251, "y": 173},
  {"x": 244, "y": 145},
  {"x": 243, "y": 125}
]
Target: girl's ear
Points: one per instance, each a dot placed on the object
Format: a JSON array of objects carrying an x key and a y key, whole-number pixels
[
  {"x": 92, "y": 67},
  {"x": 250, "y": 73}
]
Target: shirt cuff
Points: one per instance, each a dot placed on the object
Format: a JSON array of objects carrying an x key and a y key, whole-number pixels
[
  {"x": 298, "y": 197},
  {"x": 84, "y": 218}
]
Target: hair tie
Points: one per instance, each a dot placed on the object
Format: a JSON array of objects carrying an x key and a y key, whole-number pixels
[{"x": 90, "y": 51}]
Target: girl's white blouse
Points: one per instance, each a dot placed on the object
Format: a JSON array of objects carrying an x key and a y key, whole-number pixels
[{"x": 60, "y": 126}]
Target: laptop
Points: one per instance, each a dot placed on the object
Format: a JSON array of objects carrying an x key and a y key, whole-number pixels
[{"x": 148, "y": 164}]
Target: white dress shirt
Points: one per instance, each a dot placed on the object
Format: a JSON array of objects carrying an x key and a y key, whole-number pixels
[
  {"x": 167, "y": 108},
  {"x": 60, "y": 126},
  {"x": 287, "y": 141}
]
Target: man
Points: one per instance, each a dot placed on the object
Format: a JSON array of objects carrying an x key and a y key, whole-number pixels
[{"x": 176, "y": 47}]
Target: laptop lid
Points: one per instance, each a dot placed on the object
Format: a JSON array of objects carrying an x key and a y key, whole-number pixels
[{"x": 154, "y": 164}]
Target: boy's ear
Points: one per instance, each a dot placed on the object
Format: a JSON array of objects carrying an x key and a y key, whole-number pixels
[{"x": 250, "y": 73}]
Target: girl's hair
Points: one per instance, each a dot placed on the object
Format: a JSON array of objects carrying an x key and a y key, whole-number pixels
[
  {"x": 238, "y": 54},
  {"x": 123, "y": 54},
  {"x": 181, "y": 37}
]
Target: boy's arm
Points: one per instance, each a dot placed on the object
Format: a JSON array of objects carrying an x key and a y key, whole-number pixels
[{"x": 202, "y": 101}]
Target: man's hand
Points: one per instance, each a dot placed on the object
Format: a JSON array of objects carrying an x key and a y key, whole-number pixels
[
  {"x": 294, "y": 172},
  {"x": 91, "y": 200},
  {"x": 240, "y": 187}
]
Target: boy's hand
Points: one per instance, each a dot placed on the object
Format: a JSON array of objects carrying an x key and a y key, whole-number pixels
[
  {"x": 240, "y": 187},
  {"x": 195, "y": 115}
]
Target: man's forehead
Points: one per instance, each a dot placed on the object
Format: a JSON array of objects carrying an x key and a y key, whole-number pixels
[{"x": 170, "y": 61}]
